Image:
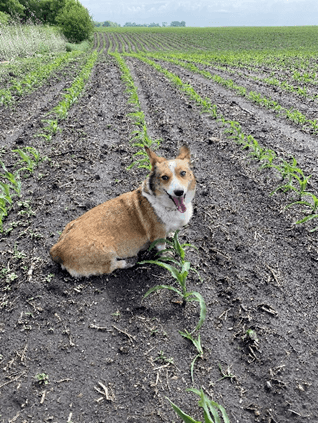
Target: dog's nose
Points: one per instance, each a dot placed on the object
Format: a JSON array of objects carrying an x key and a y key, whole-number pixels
[{"x": 179, "y": 192}]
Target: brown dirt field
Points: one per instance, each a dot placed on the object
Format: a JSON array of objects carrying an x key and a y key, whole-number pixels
[{"x": 259, "y": 270}]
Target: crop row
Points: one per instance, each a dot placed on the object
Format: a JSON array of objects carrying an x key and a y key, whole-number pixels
[
  {"x": 294, "y": 178},
  {"x": 173, "y": 258},
  {"x": 301, "y": 67},
  {"x": 10, "y": 182},
  {"x": 140, "y": 138},
  {"x": 282, "y": 81},
  {"x": 134, "y": 42},
  {"x": 35, "y": 78},
  {"x": 293, "y": 115},
  {"x": 302, "y": 70}
]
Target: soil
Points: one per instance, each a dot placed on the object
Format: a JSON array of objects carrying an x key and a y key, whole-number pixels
[{"x": 102, "y": 352}]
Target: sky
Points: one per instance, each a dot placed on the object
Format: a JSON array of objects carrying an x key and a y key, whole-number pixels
[{"x": 206, "y": 12}]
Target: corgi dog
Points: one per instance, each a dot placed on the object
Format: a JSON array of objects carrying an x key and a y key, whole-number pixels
[{"x": 109, "y": 236}]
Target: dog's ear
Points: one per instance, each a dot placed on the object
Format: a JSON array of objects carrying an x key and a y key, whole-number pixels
[
  {"x": 184, "y": 153},
  {"x": 153, "y": 157}
]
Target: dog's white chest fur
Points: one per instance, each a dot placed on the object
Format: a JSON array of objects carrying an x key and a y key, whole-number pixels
[{"x": 170, "y": 216}]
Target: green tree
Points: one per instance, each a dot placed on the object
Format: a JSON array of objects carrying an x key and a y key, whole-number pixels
[
  {"x": 48, "y": 10},
  {"x": 75, "y": 22},
  {"x": 4, "y": 18},
  {"x": 12, "y": 7},
  {"x": 177, "y": 23}
]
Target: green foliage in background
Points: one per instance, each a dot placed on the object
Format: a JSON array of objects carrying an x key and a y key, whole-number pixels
[
  {"x": 70, "y": 15},
  {"x": 75, "y": 22},
  {"x": 4, "y": 18}
]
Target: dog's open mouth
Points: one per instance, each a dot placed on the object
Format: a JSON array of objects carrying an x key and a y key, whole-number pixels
[{"x": 179, "y": 202}]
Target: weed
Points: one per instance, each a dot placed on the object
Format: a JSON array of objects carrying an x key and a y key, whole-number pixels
[
  {"x": 162, "y": 357},
  {"x": 226, "y": 374},
  {"x": 18, "y": 254},
  {"x": 49, "y": 277},
  {"x": 42, "y": 378},
  {"x": 27, "y": 209}
]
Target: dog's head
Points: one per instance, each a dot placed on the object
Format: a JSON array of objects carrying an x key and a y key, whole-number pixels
[{"x": 172, "y": 180}]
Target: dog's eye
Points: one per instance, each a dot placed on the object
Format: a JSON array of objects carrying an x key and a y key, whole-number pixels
[
  {"x": 165, "y": 177},
  {"x": 183, "y": 173}
]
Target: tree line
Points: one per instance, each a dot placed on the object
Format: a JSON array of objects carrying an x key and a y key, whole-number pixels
[
  {"x": 70, "y": 15},
  {"x": 133, "y": 24}
]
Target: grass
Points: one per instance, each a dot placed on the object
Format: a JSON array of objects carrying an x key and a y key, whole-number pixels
[{"x": 28, "y": 40}]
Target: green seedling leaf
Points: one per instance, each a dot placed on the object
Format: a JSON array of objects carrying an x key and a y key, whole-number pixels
[
  {"x": 307, "y": 218},
  {"x": 306, "y": 203},
  {"x": 174, "y": 272},
  {"x": 30, "y": 163},
  {"x": 185, "y": 417},
  {"x": 210, "y": 406},
  {"x": 3, "y": 202},
  {"x": 156, "y": 288},
  {"x": 177, "y": 246},
  {"x": 189, "y": 245},
  {"x": 197, "y": 344},
  {"x": 167, "y": 258},
  {"x": 161, "y": 241},
  {"x": 192, "y": 366},
  {"x": 197, "y": 297},
  {"x": 6, "y": 190}
]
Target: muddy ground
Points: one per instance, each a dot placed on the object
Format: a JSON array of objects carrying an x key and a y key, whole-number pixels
[{"x": 259, "y": 270}]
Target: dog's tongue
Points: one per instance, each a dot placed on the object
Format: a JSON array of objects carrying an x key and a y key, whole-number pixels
[{"x": 180, "y": 204}]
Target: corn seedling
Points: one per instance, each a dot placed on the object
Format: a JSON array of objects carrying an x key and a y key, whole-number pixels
[
  {"x": 52, "y": 127},
  {"x": 197, "y": 344},
  {"x": 30, "y": 162},
  {"x": 313, "y": 207},
  {"x": 212, "y": 411},
  {"x": 6, "y": 195},
  {"x": 293, "y": 115},
  {"x": 179, "y": 272},
  {"x": 73, "y": 93},
  {"x": 14, "y": 179},
  {"x": 293, "y": 176}
]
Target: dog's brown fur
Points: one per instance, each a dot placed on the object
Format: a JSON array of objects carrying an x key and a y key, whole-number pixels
[{"x": 102, "y": 239}]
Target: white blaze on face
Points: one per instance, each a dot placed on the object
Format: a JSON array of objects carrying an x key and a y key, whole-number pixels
[{"x": 175, "y": 186}]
